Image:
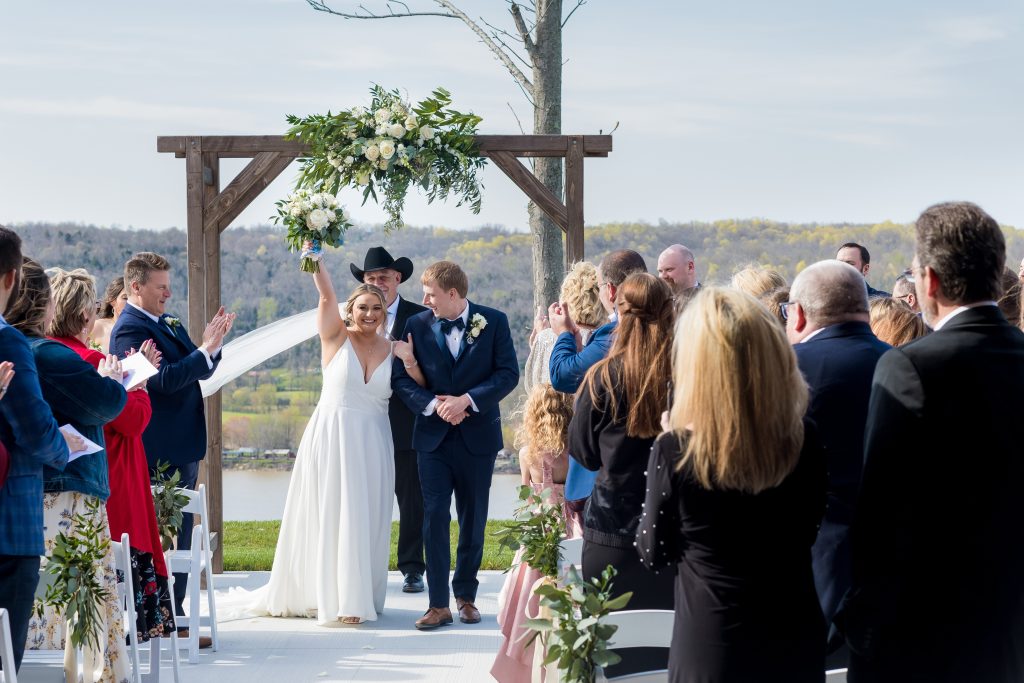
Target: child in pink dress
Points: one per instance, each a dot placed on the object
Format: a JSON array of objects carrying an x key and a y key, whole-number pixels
[{"x": 544, "y": 463}]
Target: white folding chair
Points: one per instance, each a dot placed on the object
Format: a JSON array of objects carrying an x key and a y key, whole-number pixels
[
  {"x": 197, "y": 563},
  {"x": 835, "y": 676},
  {"x": 51, "y": 657},
  {"x": 126, "y": 595},
  {"x": 572, "y": 554},
  {"x": 9, "y": 674},
  {"x": 640, "y": 628}
]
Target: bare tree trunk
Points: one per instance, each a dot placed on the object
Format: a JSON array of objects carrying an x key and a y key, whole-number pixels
[{"x": 548, "y": 249}]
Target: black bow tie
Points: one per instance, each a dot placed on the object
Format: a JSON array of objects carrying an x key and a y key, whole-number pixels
[{"x": 447, "y": 325}]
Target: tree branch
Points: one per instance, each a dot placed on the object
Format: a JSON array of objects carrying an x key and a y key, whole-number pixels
[
  {"x": 495, "y": 33},
  {"x": 322, "y": 6},
  {"x": 579, "y": 3},
  {"x": 517, "y": 74},
  {"x": 524, "y": 31}
]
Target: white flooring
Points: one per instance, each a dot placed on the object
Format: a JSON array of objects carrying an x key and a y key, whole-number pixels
[{"x": 390, "y": 649}]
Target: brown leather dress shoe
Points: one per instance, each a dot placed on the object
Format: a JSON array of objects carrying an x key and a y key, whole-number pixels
[
  {"x": 468, "y": 613},
  {"x": 433, "y": 618},
  {"x": 205, "y": 642}
]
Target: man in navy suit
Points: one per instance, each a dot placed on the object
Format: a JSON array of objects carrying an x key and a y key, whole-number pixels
[
  {"x": 32, "y": 440},
  {"x": 570, "y": 359},
  {"x": 827, "y": 323},
  {"x": 465, "y": 354},
  {"x": 177, "y": 430}
]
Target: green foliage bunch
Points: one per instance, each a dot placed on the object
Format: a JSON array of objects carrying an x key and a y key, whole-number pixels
[
  {"x": 76, "y": 564},
  {"x": 391, "y": 146},
  {"x": 538, "y": 528},
  {"x": 169, "y": 503},
  {"x": 574, "y": 635}
]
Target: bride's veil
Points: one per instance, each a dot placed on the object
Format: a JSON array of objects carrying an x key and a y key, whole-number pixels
[{"x": 251, "y": 349}]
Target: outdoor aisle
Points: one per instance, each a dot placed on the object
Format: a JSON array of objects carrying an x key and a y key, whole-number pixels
[{"x": 390, "y": 649}]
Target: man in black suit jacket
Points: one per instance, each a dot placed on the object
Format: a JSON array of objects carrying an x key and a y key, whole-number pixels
[
  {"x": 176, "y": 433},
  {"x": 827, "y": 323},
  {"x": 938, "y": 536},
  {"x": 386, "y": 273}
]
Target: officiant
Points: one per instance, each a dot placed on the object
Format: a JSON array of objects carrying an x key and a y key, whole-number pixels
[{"x": 387, "y": 273}]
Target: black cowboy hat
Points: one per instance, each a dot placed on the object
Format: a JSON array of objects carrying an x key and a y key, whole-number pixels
[{"x": 378, "y": 258}]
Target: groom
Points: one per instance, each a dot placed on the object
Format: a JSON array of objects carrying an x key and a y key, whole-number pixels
[{"x": 466, "y": 356}]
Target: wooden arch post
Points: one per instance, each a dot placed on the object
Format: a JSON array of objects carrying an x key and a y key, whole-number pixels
[{"x": 211, "y": 210}]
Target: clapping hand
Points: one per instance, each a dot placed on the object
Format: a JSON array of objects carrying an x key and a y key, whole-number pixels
[
  {"x": 216, "y": 330},
  {"x": 540, "y": 322},
  {"x": 110, "y": 367},
  {"x": 6, "y": 375},
  {"x": 152, "y": 354},
  {"x": 561, "y": 319}
]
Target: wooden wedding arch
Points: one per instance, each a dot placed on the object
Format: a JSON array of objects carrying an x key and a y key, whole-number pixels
[{"x": 211, "y": 210}]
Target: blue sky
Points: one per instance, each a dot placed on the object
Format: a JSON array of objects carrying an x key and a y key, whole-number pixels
[{"x": 795, "y": 111}]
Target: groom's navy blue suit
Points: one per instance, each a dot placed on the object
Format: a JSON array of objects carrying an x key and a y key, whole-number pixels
[{"x": 457, "y": 459}]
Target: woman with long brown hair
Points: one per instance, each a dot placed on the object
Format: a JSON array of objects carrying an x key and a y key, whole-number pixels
[
  {"x": 618, "y": 415},
  {"x": 735, "y": 494}
]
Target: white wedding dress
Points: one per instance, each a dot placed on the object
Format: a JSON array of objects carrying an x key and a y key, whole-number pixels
[{"x": 332, "y": 555}]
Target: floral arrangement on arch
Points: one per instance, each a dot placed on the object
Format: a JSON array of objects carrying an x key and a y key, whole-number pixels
[{"x": 389, "y": 147}]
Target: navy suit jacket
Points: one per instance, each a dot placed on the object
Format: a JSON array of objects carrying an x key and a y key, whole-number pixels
[
  {"x": 177, "y": 431},
  {"x": 568, "y": 366},
  {"x": 838, "y": 364},
  {"x": 486, "y": 369},
  {"x": 29, "y": 432}
]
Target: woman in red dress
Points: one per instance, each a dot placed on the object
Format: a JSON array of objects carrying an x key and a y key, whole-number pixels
[{"x": 130, "y": 506}]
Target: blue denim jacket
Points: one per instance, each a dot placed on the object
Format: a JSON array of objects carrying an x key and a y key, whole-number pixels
[{"x": 78, "y": 396}]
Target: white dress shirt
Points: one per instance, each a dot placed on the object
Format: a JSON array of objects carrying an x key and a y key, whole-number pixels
[
  {"x": 453, "y": 340},
  {"x": 954, "y": 313},
  {"x": 392, "y": 314},
  {"x": 158, "y": 321}
]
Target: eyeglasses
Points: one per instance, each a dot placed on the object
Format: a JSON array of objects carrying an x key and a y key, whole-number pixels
[
  {"x": 602, "y": 285},
  {"x": 784, "y": 308}
]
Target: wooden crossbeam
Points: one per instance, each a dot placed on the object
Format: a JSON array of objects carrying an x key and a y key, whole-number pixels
[
  {"x": 247, "y": 185},
  {"x": 533, "y": 188},
  {"x": 226, "y": 146}
]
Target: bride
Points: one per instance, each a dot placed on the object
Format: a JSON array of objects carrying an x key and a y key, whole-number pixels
[{"x": 331, "y": 560}]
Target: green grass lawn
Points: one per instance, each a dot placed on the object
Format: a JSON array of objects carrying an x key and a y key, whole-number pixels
[{"x": 249, "y": 546}]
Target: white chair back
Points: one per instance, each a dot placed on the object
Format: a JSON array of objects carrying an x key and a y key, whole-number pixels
[
  {"x": 835, "y": 676},
  {"x": 640, "y": 628},
  {"x": 572, "y": 554},
  {"x": 197, "y": 562},
  {"x": 126, "y": 594},
  {"x": 9, "y": 674}
]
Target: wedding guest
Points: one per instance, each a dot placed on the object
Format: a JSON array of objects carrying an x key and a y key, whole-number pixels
[
  {"x": 111, "y": 305},
  {"x": 86, "y": 398},
  {"x": 676, "y": 267},
  {"x": 774, "y": 301},
  {"x": 31, "y": 438},
  {"x": 543, "y": 462},
  {"x": 571, "y": 358},
  {"x": 618, "y": 415},
  {"x": 735, "y": 490},
  {"x": 1009, "y": 302},
  {"x": 130, "y": 505},
  {"x": 894, "y": 323},
  {"x": 837, "y": 354},
  {"x": 580, "y": 292},
  {"x": 757, "y": 280},
  {"x": 386, "y": 273},
  {"x": 176, "y": 433},
  {"x": 938, "y": 544},
  {"x": 858, "y": 256},
  {"x": 903, "y": 291}
]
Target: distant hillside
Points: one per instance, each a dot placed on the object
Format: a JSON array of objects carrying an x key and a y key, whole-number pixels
[{"x": 261, "y": 281}]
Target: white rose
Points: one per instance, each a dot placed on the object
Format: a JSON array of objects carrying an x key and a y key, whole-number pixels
[
  {"x": 349, "y": 160},
  {"x": 410, "y": 122},
  {"x": 382, "y": 115},
  {"x": 331, "y": 216},
  {"x": 399, "y": 109},
  {"x": 317, "y": 219},
  {"x": 332, "y": 201},
  {"x": 426, "y": 132},
  {"x": 396, "y": 130},
  {"x": 387, "y": 149},
  {"x": 362, "y": 178},
  {"x": 295, "y": 211},
  {"x": 358, "y": 112},
  {"x": 383, "y": 165},
  {"x": 372, "y": 152}
]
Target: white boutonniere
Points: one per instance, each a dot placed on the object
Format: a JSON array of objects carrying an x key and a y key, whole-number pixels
[
  {"x": 476, "y": 325},
  {"x": 172, "y": 322}
]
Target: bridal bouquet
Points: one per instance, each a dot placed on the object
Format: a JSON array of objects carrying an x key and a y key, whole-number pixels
[
  {"x": 390, "y": 146},
  {"x": 313, "y": 219}
]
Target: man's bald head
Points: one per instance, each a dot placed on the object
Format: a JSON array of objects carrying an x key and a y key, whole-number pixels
[
  {"x": 676, "y": 267},
  {"x": 830, "y": 292}
]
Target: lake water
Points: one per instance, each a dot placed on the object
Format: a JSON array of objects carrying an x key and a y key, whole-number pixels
[{"x": 260, "y": 494}]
